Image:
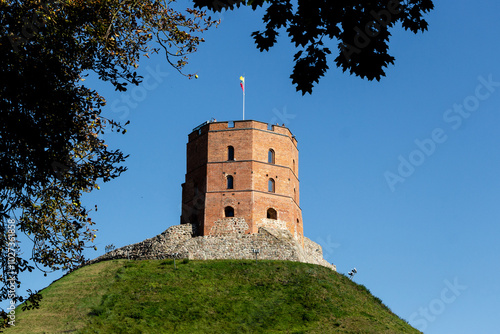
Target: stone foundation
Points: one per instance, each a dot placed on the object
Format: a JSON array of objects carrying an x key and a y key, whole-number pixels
[{"x": 228, "y": 241}]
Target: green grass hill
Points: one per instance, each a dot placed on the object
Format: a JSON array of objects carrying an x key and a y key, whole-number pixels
[{"x": 226, "y": 296}]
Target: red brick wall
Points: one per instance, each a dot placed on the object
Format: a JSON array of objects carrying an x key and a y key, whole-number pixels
[{"x": 208, "y": 168}]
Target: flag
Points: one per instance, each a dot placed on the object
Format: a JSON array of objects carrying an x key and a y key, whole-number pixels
[{"x": 242, "y": 83}]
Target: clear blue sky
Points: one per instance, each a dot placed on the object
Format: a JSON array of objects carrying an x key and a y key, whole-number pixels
[{"x": 428, "y": 246}]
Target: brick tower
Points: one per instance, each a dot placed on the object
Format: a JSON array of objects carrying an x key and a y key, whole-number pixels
[{"x": 242, "y": 169}]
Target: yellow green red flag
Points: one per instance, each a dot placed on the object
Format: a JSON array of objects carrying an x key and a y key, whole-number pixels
[{"x": 242, "y": 83}]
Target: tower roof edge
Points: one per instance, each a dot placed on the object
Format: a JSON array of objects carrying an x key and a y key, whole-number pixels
[{"x": 214, "y": 125}]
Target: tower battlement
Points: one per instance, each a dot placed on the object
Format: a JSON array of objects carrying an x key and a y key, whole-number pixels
[
  {"x": 235, "y": 125},
  {"x": 242, "y": 169}
]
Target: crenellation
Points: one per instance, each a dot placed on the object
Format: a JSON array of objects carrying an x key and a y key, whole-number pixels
[{"x": 214, "y": 126}]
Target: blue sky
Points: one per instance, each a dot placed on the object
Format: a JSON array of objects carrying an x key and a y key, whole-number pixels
[{"x": 427, "y": 246}]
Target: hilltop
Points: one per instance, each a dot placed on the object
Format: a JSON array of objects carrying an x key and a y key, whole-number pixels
[{"x": 215, "y": 296}]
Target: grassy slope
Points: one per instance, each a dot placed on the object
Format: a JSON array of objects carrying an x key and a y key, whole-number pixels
[{"x": 207, "y": 297}]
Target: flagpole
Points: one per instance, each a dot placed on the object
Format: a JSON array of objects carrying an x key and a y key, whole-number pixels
[{"x": 243, "y": 85}]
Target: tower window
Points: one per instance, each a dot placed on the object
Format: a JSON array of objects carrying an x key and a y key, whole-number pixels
[
  {"x": 230, "y": 153},
  {"x": 272, "y": 214},
  {"x": 270, "y": 186},
  {"x": 229, "y": 182},
  {"x": 270, "y": 156},
  {"x": 228, "y": 211},
  {"x": 293, "y": 163}
]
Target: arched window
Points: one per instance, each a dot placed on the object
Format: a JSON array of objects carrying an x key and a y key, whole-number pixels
[
  {"x": 272, "y": 214},
  {"x": 270, "y": 186},
  {"x": 229, "y": 182},
  {"x": 228, "y": 211},
  {"x": 230, "y": 153},
  {"x": 270, "y": 156}
]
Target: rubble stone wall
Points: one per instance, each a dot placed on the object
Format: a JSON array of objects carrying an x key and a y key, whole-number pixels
[{"x": 228, "y": 242}]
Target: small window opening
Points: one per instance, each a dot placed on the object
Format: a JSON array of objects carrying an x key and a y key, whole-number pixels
[
  {"x": 272, "y": 214},
  {"x": 270, "y": 186},
  {"x": 228, "y": 211},
  {"x": 230, "y": 124},
  {"x": 230, "y": 153},
  {"x": 229, "y": 182},
  {"x": 270, "y": 156}
]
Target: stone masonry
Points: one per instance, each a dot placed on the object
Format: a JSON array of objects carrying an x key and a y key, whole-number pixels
[{"x": 227, "y": 242}]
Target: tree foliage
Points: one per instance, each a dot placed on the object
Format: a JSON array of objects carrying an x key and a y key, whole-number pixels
[
  {"x": 50, "y": 149},
  {"x": 360, "y": 27}
]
